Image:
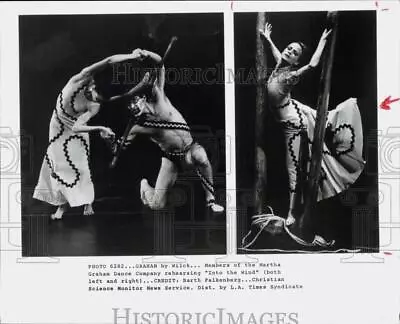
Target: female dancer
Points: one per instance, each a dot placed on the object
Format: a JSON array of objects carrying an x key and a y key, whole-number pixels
[
  {"x": 65, "y": 175},
  {"x": 342, "y": 162}
]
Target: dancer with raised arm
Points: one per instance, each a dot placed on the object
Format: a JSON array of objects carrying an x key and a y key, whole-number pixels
[
  {"x": 165, "y": 126},
  {"x": 65, "y": 177},
  {"x": 342, "y": 161}
]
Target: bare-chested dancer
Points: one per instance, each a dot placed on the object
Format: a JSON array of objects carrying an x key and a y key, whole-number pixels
[{"x": 165, "y": 126}]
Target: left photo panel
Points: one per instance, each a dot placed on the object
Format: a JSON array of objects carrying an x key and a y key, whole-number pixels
[{"x": 123, "y": 117}]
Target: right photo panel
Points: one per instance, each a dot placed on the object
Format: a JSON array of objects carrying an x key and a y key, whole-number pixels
[{"x": 306, "y": 132}]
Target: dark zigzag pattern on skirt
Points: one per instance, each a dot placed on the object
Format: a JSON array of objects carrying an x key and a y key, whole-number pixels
[
  {"x": 63, "y": 109},
  {"x": 310, "y": 142},
  {"x": 353, "y": 135},
  {"x": 291, "y": 150},
  {"x": 292, "y": 138},
  {"x": 293, "y": 157},
  {"x": 56, "y": 137},
  {"x": 87, "y": 150},
  {"x": 336, "y": 130},
  {"x": 284, "y": 105},
  {"x": 75, "y": 93},
  {"x": 296, "y": 163},
  {"x": 291, "y": 124},
  {"x": 323, "y": 173},
  {"x": 298, "y": 113},
  {"x": 68, "y": 158}
]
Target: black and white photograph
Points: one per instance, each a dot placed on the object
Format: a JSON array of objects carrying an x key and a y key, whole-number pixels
[
  {"x": 127, "y": 119},
  {"x": 307, "y": 168},
  {"x": 199, "y": 162}
]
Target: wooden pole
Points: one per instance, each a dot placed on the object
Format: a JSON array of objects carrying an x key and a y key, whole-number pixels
[
  {"x": 260, "y": 158},
  {"x": 319, "y": 131}
]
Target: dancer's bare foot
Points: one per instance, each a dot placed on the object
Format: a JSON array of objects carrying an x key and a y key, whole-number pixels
[
  {"x": 88, "y": 210},
  {"x": 144, "y": 186},
  {"x": 290, "y": 220},
  {"x": 215, "y": 207},
  {"x": 59, "y": 212}
]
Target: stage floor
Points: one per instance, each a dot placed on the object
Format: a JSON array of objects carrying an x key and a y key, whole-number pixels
[{"x": 121, "y": 231}]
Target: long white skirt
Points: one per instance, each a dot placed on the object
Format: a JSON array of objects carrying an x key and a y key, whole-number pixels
[
  {"x": 65, "y": 175},
  {"x": 342, "y": 161}
]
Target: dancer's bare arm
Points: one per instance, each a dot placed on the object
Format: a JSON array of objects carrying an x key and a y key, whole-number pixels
[
  {"x": 159, "y": 66},
  {"x": 266, "y": 34},
  {"x": 136, "y": 89},
  {"x": 137, "y": 130},
  {"x": 316, "y": 58},
  {"x": 89, "y": 71},
  {"x": 80, "y": 125}
]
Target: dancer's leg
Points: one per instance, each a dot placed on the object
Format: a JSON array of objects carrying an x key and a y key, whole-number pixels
[
  {"x": 156, "y": 198},
  {"x": 88, "y": 210},
  {"x": 197, "y": 157},
  {"x": 59, "y": 212},
  {"x": 292, "y": 152},
  {"x": 290, "y": 217}
]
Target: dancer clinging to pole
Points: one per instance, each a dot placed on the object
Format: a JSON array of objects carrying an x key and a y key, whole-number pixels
[
  {"x": 65, "y": 177},
  {"x": 342, "y": 161},
  {"x": 166, "y": 127}
]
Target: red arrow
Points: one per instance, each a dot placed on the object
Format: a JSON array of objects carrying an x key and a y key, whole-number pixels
[{"x": 385, "y": 104}]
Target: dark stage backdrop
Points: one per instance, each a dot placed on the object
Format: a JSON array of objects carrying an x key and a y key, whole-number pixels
[
  {"x": 352, "y": 217},
  {"x": 53, "y": 48}
]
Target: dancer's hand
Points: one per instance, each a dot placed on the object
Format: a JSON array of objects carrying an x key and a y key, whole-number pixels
[
  {"x": 115, "y": 146},
  {"x": 136, "y": 52},
  {"x": 267, "y": 32},
  {"x": 318, "y": 52},
  {"x": 118, "y": 143},
  {"x": 325, "y": 35},
  {"x": 107, "y": 133},
  {"x": 144, "y": 54},
  {"x": 139, "y": 54}
]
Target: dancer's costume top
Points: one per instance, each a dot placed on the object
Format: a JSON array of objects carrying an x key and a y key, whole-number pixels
[
  {"x": 65, "y": 174},
  {"x": 342, "y": 161}
]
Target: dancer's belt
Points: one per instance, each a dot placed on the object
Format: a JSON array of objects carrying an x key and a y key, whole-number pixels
[{"x": 175, "y": 156}]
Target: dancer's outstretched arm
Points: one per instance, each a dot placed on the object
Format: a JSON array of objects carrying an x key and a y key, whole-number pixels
[
  {"x": 80, "y": 125},
  {"x": 133, "y": 133},
  {"x": 267, "y": 36},
  {"x": 160, "y": 74},
  {"x": 160, "y": 69},
  {"x": 316, "y": 58},
  {"x": 90, "y": 70},
  {"x": 136, "y": 89}
]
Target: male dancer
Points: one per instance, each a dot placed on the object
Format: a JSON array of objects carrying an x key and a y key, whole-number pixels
[{"x": 163, "y": 123}]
